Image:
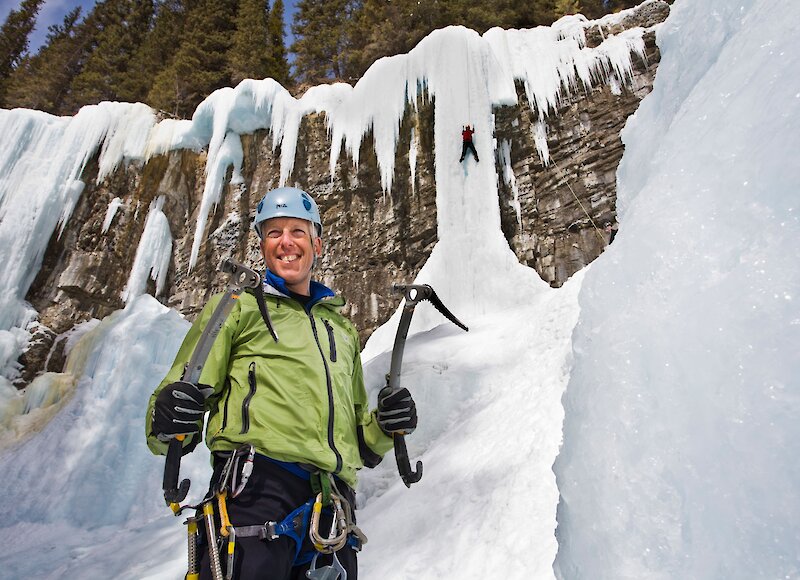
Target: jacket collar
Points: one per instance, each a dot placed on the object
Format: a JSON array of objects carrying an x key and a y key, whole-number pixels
[{"x": 275, "y": 285}]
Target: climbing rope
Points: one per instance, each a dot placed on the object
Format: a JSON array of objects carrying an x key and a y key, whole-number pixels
[
  {"x": 564, "y": 176},
  {"x": 469, "y": 83}
]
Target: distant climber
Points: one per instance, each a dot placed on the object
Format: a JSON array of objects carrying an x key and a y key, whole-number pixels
[
  {"x": 608, "y": 228},
  {"x": 466, "y": 136}
]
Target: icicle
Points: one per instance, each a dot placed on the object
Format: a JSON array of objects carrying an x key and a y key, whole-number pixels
[
  {"x": 412, "y": 160},
  {"x": 509, "y": 178},
  {"x": 153, "y": 254},
  {"x": 540, "y": 138},
  {"x": 113, "y": 206}
]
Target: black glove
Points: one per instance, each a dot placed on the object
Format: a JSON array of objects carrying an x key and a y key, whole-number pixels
[
  {"x": 178, "y": 410},
  {"x": 397, "y": 412}
]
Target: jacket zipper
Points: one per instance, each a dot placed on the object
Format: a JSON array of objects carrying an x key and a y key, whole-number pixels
[
  {"x": 213, "y": 438},
  {"x": 251, "y": 379},
  {"x": 331, "y": 339},
  {"x": 331, "y": 443}
]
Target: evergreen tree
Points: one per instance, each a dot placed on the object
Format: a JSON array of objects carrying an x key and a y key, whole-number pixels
[
  {"x": 321, "y": 30},
  {"x": 200, "y": 65},
  {"x": 537, "y": 13},
  {"x": 156, "y": 50},
  {"x": 14, "y": 40},
  {"x": 42, "y": 81},
  {"x": 251, "y": 54},
  {"x": 119, "y": 28},
  {"x": 567, "y": 7},
  {"x": 277, "y": 43}
]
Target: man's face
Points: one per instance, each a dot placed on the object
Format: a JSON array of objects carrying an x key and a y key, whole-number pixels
[{"x": 289, "y": 246}]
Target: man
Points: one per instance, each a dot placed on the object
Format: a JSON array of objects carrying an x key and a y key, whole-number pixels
[
  {"x": 467, "y": 145},
  {"x": 608, "y": 228},
  {"x": 283, "y": 376}
]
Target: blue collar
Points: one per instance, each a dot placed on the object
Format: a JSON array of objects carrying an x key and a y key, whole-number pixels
[{"x": 318, "y": 291}]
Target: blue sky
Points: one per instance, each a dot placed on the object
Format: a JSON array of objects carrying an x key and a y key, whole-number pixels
[{"x": 53, "y": 11}]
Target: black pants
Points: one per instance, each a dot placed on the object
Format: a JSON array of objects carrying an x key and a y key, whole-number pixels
[
  {"x": 468, "y": 146},
  {"x": 270, "y": 495}
]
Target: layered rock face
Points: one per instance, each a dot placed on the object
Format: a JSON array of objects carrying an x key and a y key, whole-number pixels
[
  {"x": 551, "y": 212},
  {"x": 563, "y": 204}
]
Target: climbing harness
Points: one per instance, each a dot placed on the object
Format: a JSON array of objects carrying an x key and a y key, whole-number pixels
[
  {"x": 413, "y": 294},
  {"x": 241, "y": 278},
  {"x": 564, "y": 175},
  {"x": 301, "y": 523}
]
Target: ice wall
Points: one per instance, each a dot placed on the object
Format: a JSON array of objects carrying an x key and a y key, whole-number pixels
[
  {"x": 681, "y": 435},
  {"x": 82, "y": 497},
  {"x": 41, "y": 164}
]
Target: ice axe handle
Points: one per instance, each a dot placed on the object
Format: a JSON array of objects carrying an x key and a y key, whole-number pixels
[
  {"x": 403, "y": 464},
  {"x": 174, "y": 493}
]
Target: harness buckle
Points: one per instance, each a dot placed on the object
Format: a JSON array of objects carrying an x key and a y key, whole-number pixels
[{"x": 268, "y": 532}]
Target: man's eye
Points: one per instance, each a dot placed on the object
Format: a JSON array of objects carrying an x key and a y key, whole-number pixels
[
  {"x": 274, "y": 234},
  {"x": 298, "y": 233}
]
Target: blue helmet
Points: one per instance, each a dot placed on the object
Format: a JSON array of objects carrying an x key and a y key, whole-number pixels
[{"x": 287, "y": 202}]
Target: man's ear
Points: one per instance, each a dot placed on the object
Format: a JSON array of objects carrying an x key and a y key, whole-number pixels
[{"x": 318, "y": 247}]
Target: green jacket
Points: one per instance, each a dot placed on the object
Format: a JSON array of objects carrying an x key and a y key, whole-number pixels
[{"x": 301, "y": 399}]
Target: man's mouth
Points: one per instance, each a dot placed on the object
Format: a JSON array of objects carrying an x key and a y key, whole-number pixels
[{"x": 288, "y": 258}]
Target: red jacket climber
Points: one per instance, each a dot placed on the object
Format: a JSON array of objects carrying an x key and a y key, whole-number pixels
[{"x": 466, "y": 136}]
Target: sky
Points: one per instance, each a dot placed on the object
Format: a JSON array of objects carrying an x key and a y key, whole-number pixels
[{"x": 53, "y": 11}]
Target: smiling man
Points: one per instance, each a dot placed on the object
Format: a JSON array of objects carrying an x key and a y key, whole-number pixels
[{"x": 284, "y": 391}]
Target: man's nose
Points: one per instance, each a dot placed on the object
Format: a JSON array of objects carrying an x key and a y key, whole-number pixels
[{"x": 285, "y": 238}]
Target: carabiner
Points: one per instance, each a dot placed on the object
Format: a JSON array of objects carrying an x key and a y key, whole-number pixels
[{"x": 338, "y": 535}]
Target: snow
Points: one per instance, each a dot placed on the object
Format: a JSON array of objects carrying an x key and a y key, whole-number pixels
[{"x": 676, "y": 352}]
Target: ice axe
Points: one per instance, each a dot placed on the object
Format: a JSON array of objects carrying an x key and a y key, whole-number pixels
[
  {"x": 241, "y": 278},
  {"x": 413, "y": 294}
]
